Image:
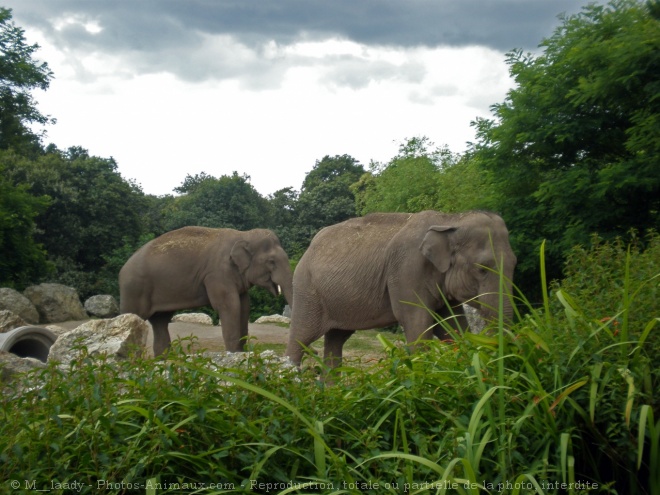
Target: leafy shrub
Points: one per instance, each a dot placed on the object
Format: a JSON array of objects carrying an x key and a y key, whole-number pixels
[{"x": 597, "y": 276}]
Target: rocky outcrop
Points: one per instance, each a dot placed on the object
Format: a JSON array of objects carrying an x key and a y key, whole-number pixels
[
  {"x": 115, "y": 337},
  {"x": 55, "y": 303},
  {"x": 12, "y": 365},
  {"x": 58, "y": 330},
  {"x": 102, "y": 306},
  {"x": 201, "y": 318},
  {"x": 17, "y": 303},
  {"x": 10, "y": 320}
]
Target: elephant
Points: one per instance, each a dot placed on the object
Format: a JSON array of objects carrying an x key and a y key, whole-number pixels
[
  {"x": 388, "y": 268},
  {"x": 196, "y": 266}
]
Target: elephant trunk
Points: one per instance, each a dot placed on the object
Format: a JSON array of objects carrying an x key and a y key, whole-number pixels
[
  {"x": 287, "y": 290},
  {"x": 489, "y": 307},
  {"x": 283, "y": 284}
]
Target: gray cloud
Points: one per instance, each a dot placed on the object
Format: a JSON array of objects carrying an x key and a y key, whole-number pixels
[
  {"x": 172, "y": 35},
  {"x": 358, "y": 73}
]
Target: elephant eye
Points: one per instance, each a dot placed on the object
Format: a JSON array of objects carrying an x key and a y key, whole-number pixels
[{"x": 482, "y": 270}]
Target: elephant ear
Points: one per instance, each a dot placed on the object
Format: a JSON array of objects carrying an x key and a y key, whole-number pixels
[
  {"x": 241, "y": 255},
  {"x": 436, "y": 246}
]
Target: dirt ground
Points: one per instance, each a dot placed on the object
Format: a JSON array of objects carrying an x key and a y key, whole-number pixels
[
  {"x": 362, "y": 345},
  {"x": 208, "y": 337}
]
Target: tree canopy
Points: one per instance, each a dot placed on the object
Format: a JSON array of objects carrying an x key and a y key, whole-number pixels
[
  {"x": 19, "y": 75},
  {"x": 574, "y": 147},
  {"x": 409, "y": 182},
  {"x": 91, "y": 208},
  {"x": 326, "y": 197},
  {"x": 228, "y": 201},
  {"x": 23, "y": 258}
]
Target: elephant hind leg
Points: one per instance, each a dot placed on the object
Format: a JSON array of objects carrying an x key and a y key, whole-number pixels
[
  {"x": 334, "y": 346},
  {"x": 159, "y": 323}
]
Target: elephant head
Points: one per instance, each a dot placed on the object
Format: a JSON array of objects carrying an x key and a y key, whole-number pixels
[
  {"x": 470, "y": 255},
  {"x": 261, "y": 261}
]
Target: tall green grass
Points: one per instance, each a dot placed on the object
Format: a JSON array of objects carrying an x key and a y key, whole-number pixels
[{"x": 569, "y": 395}]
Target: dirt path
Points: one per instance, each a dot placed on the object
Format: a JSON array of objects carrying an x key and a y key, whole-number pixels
[
  {"x": 208, "y": 337},
  {"x": 363, "y": 344}
]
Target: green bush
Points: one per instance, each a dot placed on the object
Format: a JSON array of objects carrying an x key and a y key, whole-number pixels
[{"x": 598, "y": 275}]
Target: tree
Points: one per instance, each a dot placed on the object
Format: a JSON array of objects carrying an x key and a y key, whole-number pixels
[
  {"x": 19, "y": 74},
  {"x": 23, "y": 259},
  {"x": 464, "y": 186},
  {"x": 193, "y": 182},
  {"x": 574, "y": 147},
  {"x": 409, "y": 182},
  {"x": 283, "y": 204},
  {"x": 284, "y": 212},
  {"x": 92, "y": 210},
  {"x": 229, "y": 201},
  {"x": 326, "y": 197}
]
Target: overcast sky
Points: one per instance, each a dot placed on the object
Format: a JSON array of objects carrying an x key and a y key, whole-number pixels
[{"x": 268, "y": 87}]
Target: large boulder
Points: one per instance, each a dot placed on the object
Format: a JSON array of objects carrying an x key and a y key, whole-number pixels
[
  {"x": 9, "y": 321},
  {"x": 115, "y": 338},
  {"x": 102, "y": 306},
  {"x": 11, "y": 365},
  {"x": 17, "y": 303},
  {"x": 56, "y": 303}
]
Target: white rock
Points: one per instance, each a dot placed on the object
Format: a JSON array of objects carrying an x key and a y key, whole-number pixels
[
  {"x": 201, "y": 318},
  {"x": 114, "y": 337},
  {"x": 273, "y": 319}
]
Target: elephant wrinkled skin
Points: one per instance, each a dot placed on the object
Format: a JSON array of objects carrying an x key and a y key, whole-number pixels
[
  {"x": 196, "y": 266},
  {"x": 364, "y": 273}
]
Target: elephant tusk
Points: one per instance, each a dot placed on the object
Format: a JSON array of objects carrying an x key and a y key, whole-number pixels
[{"x": 279, "y": 290}]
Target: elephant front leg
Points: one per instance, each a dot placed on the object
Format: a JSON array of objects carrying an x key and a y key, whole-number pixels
[
  {"x": 453, "y": 319},
  {"x": 231, "y": 315},
  {"x": 418, "y": 325},
  {"x": 245, "y": 317}
]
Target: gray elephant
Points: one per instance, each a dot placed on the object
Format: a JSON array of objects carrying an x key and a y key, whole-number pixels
[
  {"x": 375, "y": 271},
  {"x": 197, "y": 266}
]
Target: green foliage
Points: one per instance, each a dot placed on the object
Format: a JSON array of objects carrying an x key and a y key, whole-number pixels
[
  {"x": 326, "y": 197},
  {"x": 284, "y": 214},
  {"x": 595, "y": 276},
  {"x": 19, "y": 74},
  {"x": 573, "y": 149},
  {"x": 410, "y": 182},
  {"x": 464, "y": 185},
  {"x": 229, "y": 202},
  {"x": 107, "y": 281},
  {"x": 23, "y": 259},
  {"x": 91, "y": 210},
  {"x": 523, "y": 409},
  {"x": 263, "y": 303}
]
